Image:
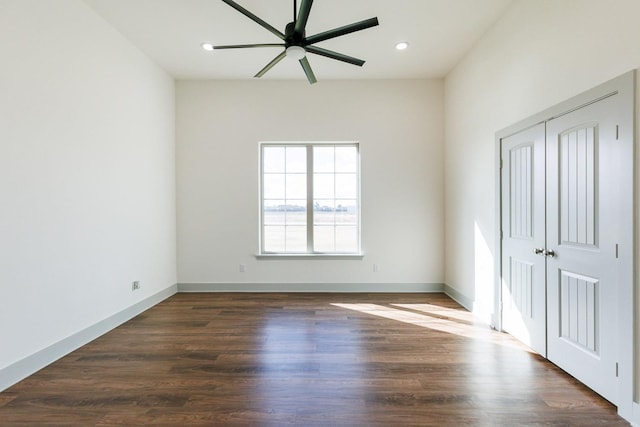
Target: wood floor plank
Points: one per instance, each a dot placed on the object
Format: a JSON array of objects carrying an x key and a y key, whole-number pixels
[{"x": 304, "y": 359}]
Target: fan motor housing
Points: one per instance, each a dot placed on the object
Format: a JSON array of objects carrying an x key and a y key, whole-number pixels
[{"x": 291, "y": 38}]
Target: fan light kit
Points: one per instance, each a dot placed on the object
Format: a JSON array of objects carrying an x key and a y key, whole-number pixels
[
  {"x": 296, "y": 52},
  {"x": 296, "y": 43}
]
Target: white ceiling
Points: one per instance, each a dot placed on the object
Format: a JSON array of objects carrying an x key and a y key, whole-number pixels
[{"x": 171, "y": 32}]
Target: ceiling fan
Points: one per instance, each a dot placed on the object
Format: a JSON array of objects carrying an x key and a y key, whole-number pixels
[{"x": 295, "y": 41}]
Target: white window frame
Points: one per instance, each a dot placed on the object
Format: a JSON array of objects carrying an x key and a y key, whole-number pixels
[{"x": 310, "y": 198}]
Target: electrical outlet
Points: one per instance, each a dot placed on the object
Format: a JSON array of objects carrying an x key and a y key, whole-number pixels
[
  {"x": 135, "y": 286},
  {"x": 375, "y": 268},
  {"x": 243, "y": 268}
]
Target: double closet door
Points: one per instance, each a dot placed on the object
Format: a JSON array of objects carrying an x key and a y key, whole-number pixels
[{"x": 560, "y": 232}]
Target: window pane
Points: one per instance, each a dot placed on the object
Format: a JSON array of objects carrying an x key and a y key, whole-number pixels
[
  {"x": 296, "y": 159},
  {"x": 296, "y": 186},
  {"x": 296, "y": 239},
  {"x": 346, "y": 159},
  {"x": 274, "y": 212},
  {"x": 323, "y": 212},
  {"x": 346, "y": 239},
  {"x": 296, "y": 212},
  {"x": 274, "y": 238},
  {"x": 273, "y": 186},
  {"x": 273, "y": 159},
  {"x": 346, "y": 186},
  {"x": 323, "y": 238},
  {"x": 323, "y": 186},
  {"x": 323, "y": 159},
  {"x": 347, "y": 212}
]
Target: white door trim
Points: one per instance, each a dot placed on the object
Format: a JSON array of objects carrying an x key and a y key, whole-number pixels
[{"x": 624, "y": 88}]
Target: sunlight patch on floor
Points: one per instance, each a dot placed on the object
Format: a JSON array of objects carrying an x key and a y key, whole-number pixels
[
  {"x": 457, "y": 325},
  {"x": 438, "y": 311}
]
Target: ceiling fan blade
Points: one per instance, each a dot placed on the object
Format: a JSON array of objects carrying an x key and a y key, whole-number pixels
[
  {"x": 351, "y": 28},
  {"x": 303, "y": 16},
  {"x": 254, "y": 18},
  {"x": 243, "y": 46},
  {"x": 335, "y": 55},
  {"x": 271, "y": 64},
  {"x": 307, "y": 70}
]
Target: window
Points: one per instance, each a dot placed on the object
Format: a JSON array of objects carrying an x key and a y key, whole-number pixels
[{"x": 310, "y": 198}]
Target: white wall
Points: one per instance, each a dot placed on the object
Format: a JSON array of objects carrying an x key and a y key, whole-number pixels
[
  {"x": 87, "y": 182},
  {"x": 540, "y": 53},
  {"x": 399, "y": 125}
]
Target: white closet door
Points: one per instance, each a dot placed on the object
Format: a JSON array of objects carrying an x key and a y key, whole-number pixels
[
  {"x": 523, "y": 222},
  {"x": 587, "y": 208},
  {"x": 582, "y": 278}
]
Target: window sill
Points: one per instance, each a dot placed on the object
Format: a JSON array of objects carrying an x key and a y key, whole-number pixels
[{"x": 310, "y": 256}]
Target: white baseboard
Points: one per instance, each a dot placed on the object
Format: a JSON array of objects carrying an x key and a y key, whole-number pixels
[
  {"x": 635, "y": 422},
  {"x": 461, "y": 299},
  {"x": 313, "y": 287},
  {"x": 33, "y": 363}
]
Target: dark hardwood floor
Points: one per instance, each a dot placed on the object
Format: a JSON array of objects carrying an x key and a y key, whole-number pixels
[{"x": 304, "y": 359}]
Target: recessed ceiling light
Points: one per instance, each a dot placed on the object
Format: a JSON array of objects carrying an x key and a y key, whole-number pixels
[
  {"x": 402, "y": 45},
  {"x": 207, "y": 46}
]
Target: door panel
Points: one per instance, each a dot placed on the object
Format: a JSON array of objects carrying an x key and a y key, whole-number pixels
[
  {"x": 523, "y": 205},
  {"x": 581, "y": 232},
  {"x": 578, "y": 190},
  {"x": 579, "y": 310}
]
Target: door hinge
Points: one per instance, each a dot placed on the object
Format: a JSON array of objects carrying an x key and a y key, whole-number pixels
[
  {"x": 617, "y": 251},
  {"x": 500, "y": 163},
  {"x": 617, "y": 369},
  {"x": 617, "y": 132}
]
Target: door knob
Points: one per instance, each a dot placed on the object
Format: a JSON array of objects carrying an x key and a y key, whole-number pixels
[
  {"x": 538, "y": 251},
  {"x": 549, "y": 253}
]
